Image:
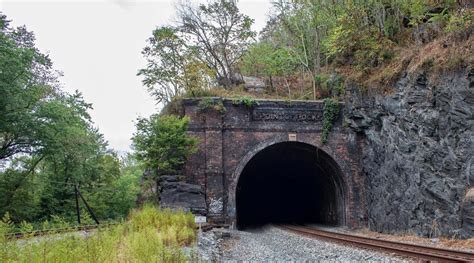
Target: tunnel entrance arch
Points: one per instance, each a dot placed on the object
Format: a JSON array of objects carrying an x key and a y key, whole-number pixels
[
  {"x": 290, "y": 182},
  {"x": 229, "y": 140}
]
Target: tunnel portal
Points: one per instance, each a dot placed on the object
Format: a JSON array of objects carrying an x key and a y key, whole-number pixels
[{"x": 290, "y": 182}]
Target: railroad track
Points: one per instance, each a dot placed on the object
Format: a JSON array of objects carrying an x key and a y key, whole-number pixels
[
  {"x": 36, "y": 233},
  {"x": 86, "y": 228},
  {"x": 411, "y": 250}
]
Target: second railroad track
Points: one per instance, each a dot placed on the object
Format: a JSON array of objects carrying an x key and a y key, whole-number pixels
[{"x": 411, "y": 250}]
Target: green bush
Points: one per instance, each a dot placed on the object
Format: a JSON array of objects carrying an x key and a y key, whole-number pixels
[{"x": 162, "y": 142}]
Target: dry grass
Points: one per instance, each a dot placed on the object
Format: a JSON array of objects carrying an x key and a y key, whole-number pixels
[
  {"x": 299, "y": 89},
  {"x": 446, "y": 53}
]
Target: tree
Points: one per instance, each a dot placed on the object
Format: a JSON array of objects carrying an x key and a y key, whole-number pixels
[
  {"x": 165, "y": 55},
  {"x": 27, "y": 83},
  {"x": 48, "y": 143},
  {"x": 220, "y": 34},
  {"x": 162, "y": 142},
  {"x": 265, "y": 59},
  {"x": 172, "y": 67},
  {"x": 302, "y": 28}
]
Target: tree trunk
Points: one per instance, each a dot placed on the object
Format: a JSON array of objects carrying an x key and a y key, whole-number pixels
[
  {"x": 288, "y": 87},
  {"x": 271, "y": 85}
]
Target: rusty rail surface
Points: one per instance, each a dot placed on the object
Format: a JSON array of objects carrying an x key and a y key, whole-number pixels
[{"x": 405, "y": 249}]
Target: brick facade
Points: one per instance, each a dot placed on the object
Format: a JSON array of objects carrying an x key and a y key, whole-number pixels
[{"x": 228, "y": 140}]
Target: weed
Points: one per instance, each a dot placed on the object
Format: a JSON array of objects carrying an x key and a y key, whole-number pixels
[
  {"x": 247, "y": 101},
  {"x": 212, "y": 103},
  {"x": 150, "y": 235}
]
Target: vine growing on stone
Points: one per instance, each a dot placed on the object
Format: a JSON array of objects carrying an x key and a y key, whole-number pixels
[{"x": 331, "y": 111}]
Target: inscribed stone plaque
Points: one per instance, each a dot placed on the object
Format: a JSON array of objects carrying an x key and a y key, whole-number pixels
[{"x": 287, "y": 114}]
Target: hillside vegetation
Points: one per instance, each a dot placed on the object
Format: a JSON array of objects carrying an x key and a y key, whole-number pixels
[{"x": 308, "y": 49}]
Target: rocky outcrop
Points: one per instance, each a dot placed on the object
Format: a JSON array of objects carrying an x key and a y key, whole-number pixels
[
  {"x": 176, "y": 194},
  {"x": 418, "y": 158},
  {"x": 468, "y": 213},
  {"x": 254, "y": 84},
  {"x": 148, "y": 188}
]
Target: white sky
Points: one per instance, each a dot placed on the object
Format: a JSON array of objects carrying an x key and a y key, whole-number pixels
[{"x": 97, "y": 45}]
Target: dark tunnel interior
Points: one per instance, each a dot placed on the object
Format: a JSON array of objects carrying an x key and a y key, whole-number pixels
[{"x": 289, "y": 182}]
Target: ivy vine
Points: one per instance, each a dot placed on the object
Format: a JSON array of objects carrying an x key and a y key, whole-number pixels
[{"x": 331, "y": 111}]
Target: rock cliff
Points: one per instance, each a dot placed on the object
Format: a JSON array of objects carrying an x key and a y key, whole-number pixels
[{"x": 418, "y": 158}]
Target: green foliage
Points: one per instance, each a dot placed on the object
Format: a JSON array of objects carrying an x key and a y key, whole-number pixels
[
  {"x": 363, "y": 43},
  {"x": 264, "y": 59},
  {"x": 149, "y": 216},
  {"x": 151, "y": 235},
  {"x": 114, "y": 199},
  {"x": 200, "y": 93},
  {"x": 44, "y": 197},
  {"x": 354, "y": 36},
  {"x": 162, "y": 142},
  {"x": 30, "y": 98},
  {"x": 460, "y": 20},
  {"x": 416, "y": 10},
  {"x": 330, "y": 83},
  {"x": 173, "y": 67},
  {"x": 301, "y": 39},
  {"x": 248, "y": 102},
  {"x": 48, "y": 142},
  {"x": 219, "y": 33},
  {"x": 212, "y": 104},
  {"x": 330, "y": 114}
]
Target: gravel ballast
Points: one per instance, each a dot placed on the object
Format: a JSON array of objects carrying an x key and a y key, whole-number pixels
[{"x": 273, "y": 244}]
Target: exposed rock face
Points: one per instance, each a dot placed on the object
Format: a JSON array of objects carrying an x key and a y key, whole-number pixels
[
  {"x": 468, "y": 213},
  {"x": 253, "y": 84},
  {"x": 177, "y": 194},
  {"x": 149, "y": 188},
  {"x": 418, "y": 159}
]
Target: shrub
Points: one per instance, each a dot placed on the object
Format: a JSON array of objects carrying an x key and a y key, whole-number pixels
[{"x": 162, "y": 142}]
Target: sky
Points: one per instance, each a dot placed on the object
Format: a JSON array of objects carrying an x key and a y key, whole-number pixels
[{"x": 97, "y": 45}]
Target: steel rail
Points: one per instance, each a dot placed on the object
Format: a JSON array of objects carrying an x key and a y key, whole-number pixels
[{"x": 405, "y": 249}]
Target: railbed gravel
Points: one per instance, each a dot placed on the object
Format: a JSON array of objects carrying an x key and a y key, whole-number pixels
[{"x": 271, "y": 244}]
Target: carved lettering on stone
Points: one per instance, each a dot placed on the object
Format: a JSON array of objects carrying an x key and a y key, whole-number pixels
[{"x": 285, "y": 115}]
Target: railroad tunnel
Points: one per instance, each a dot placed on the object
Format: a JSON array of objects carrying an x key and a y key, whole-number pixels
[{"x": 290, "y": 182}]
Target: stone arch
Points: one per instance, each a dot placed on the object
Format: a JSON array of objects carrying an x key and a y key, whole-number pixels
[{"x": 326, "y": 155}]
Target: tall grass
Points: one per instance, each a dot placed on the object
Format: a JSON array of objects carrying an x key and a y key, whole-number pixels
[{"x": 150, "y": 235}]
